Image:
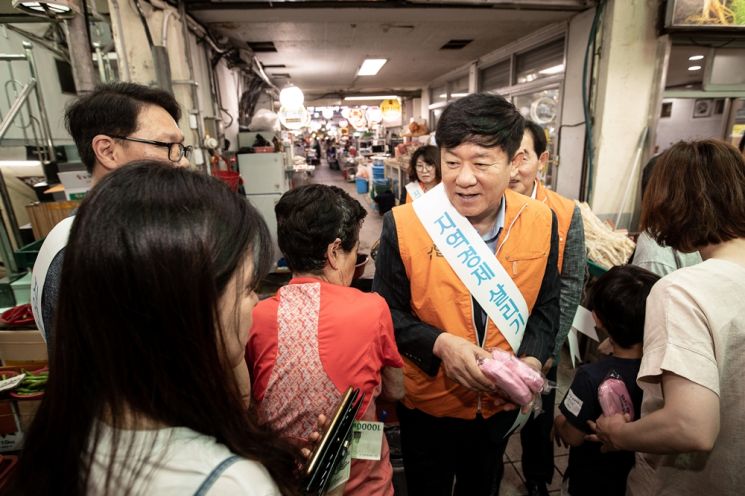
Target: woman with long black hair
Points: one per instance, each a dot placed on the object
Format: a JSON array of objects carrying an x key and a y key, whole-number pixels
[{"x": 144, "y": 395}]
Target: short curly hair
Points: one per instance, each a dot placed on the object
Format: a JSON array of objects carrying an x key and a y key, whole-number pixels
[
  {"x": 311, "y": 217},
  {"x": 696, "y": 195}
]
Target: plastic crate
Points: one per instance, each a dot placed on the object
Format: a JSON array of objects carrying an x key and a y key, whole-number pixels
[
  {"x": 26, "y": 256},
  {"x": 595, "y": 269}
]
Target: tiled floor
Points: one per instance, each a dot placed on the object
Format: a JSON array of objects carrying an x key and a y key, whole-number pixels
[{"x": 513, "y": 483}]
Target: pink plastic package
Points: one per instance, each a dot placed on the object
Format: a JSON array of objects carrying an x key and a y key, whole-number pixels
[
  {"x": 614, "y": 397},
  {"x": 515, "y": 378}
]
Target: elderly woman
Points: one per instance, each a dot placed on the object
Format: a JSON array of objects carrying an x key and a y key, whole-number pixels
[
  {"x": 690, "y": 435},
  {"x": 424, "y": 172},
  {"x": 317, "y": 336}
]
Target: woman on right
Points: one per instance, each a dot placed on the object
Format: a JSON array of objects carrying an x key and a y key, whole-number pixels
[
  {"x": 690, "y": 436},
  {"x": 424, "y": 172}
]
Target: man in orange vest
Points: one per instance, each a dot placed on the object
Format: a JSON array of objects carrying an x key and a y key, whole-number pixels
[
  {"x": 453, "y": 424},
  {"x": 538, "y": 448}
]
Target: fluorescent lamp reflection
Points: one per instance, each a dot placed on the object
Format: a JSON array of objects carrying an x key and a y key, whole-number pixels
[
  {"x": 552, "y": 70},
  {"x": 695, "y": 57},
  {"x": 370, "y": 67},
  {"x": 694, "y": 68}
]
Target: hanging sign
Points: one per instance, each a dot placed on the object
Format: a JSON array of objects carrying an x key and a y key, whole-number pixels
[
  {"x": 391, "y": 111},
  {"x": 294, "y": 117}
]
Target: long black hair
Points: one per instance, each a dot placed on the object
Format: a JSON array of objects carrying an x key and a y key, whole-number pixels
[{"x": 150, "y": 255}]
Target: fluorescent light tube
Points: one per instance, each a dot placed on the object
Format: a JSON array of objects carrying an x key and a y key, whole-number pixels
[
  {"x": 552, "y": 70},
  {"x": 370, "y": 67},
  {"x": 371, "y": 97}
]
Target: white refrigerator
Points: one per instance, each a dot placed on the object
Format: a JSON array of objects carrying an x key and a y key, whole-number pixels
[{"x": 264, "y": 180}]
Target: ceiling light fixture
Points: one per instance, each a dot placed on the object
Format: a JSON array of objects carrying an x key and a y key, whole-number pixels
[
  {"x": 59, "y": 9},
  {"x": 370, "y": 67},
  {"x": 459, "y": 95},
  {"x": 371, "y": 97},
  {"x": 695, "y": 57},
  {"x": 556, "y": 69},
  {"x": 291, "y": 96},
  {"x": 694, "y": 68}
]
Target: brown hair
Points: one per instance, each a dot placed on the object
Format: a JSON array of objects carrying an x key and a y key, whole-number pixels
[
  {"x": 431, "y": 155},
  {"x": 696, "y": 195}
]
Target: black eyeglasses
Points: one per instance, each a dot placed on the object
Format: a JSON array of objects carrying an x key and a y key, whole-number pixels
[{"x": 175, "y": 150}]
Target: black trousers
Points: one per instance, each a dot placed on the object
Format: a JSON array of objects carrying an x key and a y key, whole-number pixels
[
  {"x": 538, "y": 447},
  {"x": 438, "y": 450}
]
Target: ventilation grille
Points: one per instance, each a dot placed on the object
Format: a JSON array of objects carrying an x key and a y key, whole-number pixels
[
  {"x": 455, "y": 44},
  {"x": 261, "y": 46}
]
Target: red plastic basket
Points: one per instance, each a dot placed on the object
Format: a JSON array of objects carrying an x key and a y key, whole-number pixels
[{"x": 232, "y": 179}]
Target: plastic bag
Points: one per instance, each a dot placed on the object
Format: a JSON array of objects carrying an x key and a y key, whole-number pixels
[
  {"x": 513, "y": 377},
  {"x": 614, "y": 396}
]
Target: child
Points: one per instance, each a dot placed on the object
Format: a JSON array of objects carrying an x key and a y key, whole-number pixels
[{"x": 618, "y": 301}]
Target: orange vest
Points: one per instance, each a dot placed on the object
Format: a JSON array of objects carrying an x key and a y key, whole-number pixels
[
  {"x": 563, "y": 208},
  {"x": 440, "y": 299},
  {"x": 409, "y": 199}
]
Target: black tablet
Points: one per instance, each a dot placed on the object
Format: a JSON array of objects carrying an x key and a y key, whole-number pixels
[{"x": 334, "y": 443}]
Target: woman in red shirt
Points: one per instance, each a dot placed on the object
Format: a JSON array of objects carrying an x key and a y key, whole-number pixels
[{"x": 317, "y": 336}]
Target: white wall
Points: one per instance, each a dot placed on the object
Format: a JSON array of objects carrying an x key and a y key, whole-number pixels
[
  {"x": 626, "y": 82},
  {"x": 54, "y": 99},
  {"x": 572, "y": 145},
  {"x": 681, "y": 125}
]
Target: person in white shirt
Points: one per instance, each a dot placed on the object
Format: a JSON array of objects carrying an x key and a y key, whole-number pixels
[
  {"x": 690, "y": 434},
  {"x": 156, "y": 298}
]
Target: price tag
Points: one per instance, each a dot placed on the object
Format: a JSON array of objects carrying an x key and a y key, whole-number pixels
[{"x": 367, "y": 440}]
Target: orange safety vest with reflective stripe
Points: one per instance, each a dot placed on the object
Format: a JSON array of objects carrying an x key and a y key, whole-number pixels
[
  {"x": 440, "y": 299},
  {"x": 563, "y": 208}
]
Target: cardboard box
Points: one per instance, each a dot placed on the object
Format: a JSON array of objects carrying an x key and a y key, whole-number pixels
[
  {"x": 11, "y": 435},
  {"x": 23, "y": 348},
  {"x": 26, "y": 412}
]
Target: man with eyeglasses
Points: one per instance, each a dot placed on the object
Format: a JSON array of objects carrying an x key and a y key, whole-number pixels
[
  {"x": 113, "y": 125},
  {"x": 468, "y": 266}
]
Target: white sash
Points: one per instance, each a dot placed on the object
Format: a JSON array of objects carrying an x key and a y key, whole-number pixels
[
  {"x": 415, "y": 190},
  {"x": 474, "y": 263},
  {"x": 55, "y": 241}
]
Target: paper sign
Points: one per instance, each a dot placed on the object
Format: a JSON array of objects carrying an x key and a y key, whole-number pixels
[
  {"x": 76, "y": 183},
  {"x": 573, "y": 346},
  {"x": 585, "y": 323}
]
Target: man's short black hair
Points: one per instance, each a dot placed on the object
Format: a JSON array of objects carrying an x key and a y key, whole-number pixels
[
  {"x": 619, "y": 299},
  {"x": 112, "y": 109},
  {"x": 539, "y": 136},
  {"x": 482, "y": 119}
]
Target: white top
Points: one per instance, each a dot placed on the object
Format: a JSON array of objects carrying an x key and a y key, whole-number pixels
[
  {"x": 661, "y": 259},
  {"x": 695, "y": 328},
  {"x": 180, "y": 461}
]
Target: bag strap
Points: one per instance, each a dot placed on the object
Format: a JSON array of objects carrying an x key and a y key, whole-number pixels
[{"x": 215, "y": 474}]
